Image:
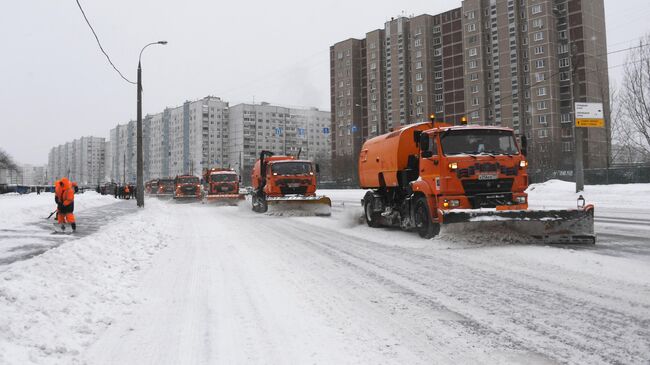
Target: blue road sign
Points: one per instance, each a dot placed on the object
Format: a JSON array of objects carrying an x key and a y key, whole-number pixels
[
  {"x": 301, "y": 131},
  {"x": 278, "y": 131},
  {"x": 354, "y": 128},
  {"x": 326, "y": 130}
]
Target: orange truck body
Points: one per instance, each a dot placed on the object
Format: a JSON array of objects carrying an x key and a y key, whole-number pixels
[
  {"x": 222, "y": 185},
  {"x": 187, "y": 187},
  {"x": 403, "y": 178},
  {"x": 275, "y": 185},
  {"x": 287, "y": 184}
]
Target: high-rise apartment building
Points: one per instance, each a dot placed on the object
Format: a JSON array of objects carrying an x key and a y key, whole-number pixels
[
  {"x": 514, "y": 63},
  {"x": 282, "y": 130},
  {"x": 81, "y": 160}
]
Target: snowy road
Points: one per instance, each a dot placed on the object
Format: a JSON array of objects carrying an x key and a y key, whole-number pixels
[
  {"x": 199, "y": 284},
  {"x": 262, "y": 289}
]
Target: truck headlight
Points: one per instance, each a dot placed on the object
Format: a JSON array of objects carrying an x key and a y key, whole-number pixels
[
  {"x": 452, "y": 203},
  {"x": 523, "y": 163},
  {"x": 520, "y": 200},
  {"x": 453, "y": 165}
]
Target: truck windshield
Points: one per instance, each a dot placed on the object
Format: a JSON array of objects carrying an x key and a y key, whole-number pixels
[
  {"x": 166, "y": 183},
  {"x": 223, "y": 178},
  {"x": 187, "y": 180},
  {"x": 478, "y": 141},
  {"x": 291, "y": 168}
]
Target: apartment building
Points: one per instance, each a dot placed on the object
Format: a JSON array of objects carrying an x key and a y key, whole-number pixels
[
  {"x": 81, "y": 160},
  {"x": 515, "y": 63},
  {"x": 282, "y": 130}
]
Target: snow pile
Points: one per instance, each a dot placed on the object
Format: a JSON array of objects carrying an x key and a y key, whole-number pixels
[
  {"x": 561, "y": 194},
  {"x": 53, "y": 306}
]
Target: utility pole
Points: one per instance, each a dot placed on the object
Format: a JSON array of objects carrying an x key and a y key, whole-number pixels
[{"x": 575, "y": 90}]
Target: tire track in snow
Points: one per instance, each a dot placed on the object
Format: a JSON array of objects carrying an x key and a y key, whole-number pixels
[{"x": 525, "y": 293}]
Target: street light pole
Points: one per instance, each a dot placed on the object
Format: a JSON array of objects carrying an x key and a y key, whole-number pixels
[{"x": 140, "y": 163}]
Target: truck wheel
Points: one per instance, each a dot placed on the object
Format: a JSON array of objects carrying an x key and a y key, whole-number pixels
[
  {"x": 372, "y": 217},
  {"x": 259, "y": 204},
  {"x": 422, "y": 219}
]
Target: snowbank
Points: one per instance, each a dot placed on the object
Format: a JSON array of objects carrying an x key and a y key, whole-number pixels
[{"x": 53, "y": 306}]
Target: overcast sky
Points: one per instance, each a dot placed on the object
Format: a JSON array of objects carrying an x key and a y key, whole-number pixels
[{"x": 56, "y": 86}]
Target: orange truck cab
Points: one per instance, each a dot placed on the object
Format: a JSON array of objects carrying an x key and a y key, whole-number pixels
[
  {"x": 166, "y": 188},
  {"x": 283, "y": 178},
  {"x": 423, "y": 171},
  {"x": 222, "y": 184},
  {"x": 187, "y": 187}
]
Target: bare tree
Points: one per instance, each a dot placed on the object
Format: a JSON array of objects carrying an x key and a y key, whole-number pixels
[
  {"x": 635, "y": 96},
  {"x": 6, "y": 162}
]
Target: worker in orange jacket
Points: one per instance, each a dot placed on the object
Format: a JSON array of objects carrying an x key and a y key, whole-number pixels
[{"x": 64, "y": 198}]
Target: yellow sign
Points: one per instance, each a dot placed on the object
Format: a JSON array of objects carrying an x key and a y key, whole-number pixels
[{"x": 590, "y": 123}]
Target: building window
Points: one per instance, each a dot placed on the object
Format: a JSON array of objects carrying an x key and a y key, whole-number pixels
[
  {"x": 437, "y": 52},
  {"x": 539, "y": 50},
  {"x": 419, "y": 87},
  {"x": 542, "y": 119},
  {"x": 436, "y": 29},
  {"x": 474, "y": 89},
  {"x": 541, "y": 105},
  {"x": 540, "y": 76},
  {"x": 541, "y": 91},
  {"x": 471, "y": 27},
  {"x": 567, "y": 132},
  {"x": 473, "y": 76},
  {"x": 473, "y": 52},
  {"x": 418, "y": 65},
  {"x": 470, "y": 15},
  {"x": 474, "y": 101},
  {"x": 538, "y": 23},
  {"x": 563, "y": 34},
  {"x": 539, "y": 63},
  {"x": 418, "y": 76},
  {"x": 438, "y": 97},
  {"x": 539, "y": 36},
  {"x": 438, "y": 74},
  {"x": 536, "y": 9},
  {"x": 563, "y": 48},
  {"x": 473, "y": 64},
  {"x": 438, "y": 86},
  {"x": 565, "y": 118},
  {"x": 564, "y": 76},
  {"x": 418, "y": 53},
  {"x": 542, "y": 133},
  {"x": 567, "y": 146},
  {"x": 474, "y": 114},
  {"x": 418, "y": 42},
  {"x": 564, "y": 62}
]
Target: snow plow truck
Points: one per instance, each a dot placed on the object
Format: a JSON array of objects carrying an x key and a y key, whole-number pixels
[
  {"x": 286, "y": 184},
  {"x": 222, "y": 186},
  {"x": 429, "y": 175},
  {"x": 187, "y": 188}
]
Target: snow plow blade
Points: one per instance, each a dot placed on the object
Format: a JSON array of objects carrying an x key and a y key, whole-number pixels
[
  {"x": 300, "y": 205},
  {"x": 570, "y": 226},
  {"x": 226, "y": 199}
]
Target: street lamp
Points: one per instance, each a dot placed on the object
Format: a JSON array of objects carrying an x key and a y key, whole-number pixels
[{"x": 140, "y": 164}]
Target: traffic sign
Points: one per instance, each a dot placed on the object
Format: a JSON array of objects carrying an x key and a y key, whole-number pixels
[
  {"x": 590, "y": 115},
  {"x": 278, "y": 131},
  {"x": 326, "y": 130},
  {"x": 301, "y": 132},
  {"x": 354, "y": 128}
]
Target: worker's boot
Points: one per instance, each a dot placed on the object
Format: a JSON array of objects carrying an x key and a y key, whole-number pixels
[
  {"x": 74, "y": 226},
  {"x": 63, "y": 227}
]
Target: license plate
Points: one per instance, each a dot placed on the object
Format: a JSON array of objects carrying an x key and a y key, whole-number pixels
[
  {"x": 487, "y": 177},
  {"x": 293, "y": 185}
]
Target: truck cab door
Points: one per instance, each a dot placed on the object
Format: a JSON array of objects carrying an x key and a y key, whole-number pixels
[{"x": 430, "y": 161}]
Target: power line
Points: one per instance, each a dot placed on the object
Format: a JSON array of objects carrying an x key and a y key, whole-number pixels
[{"x": 100, "y": 44}]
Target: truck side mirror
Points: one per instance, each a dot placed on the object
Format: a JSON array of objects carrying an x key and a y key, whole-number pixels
[
  {"x": 317, "y": 169},
  {"x": 524, "y": 145},
  {"x": 424, "y": 142},
  {"x": 416, "y": 137}
]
